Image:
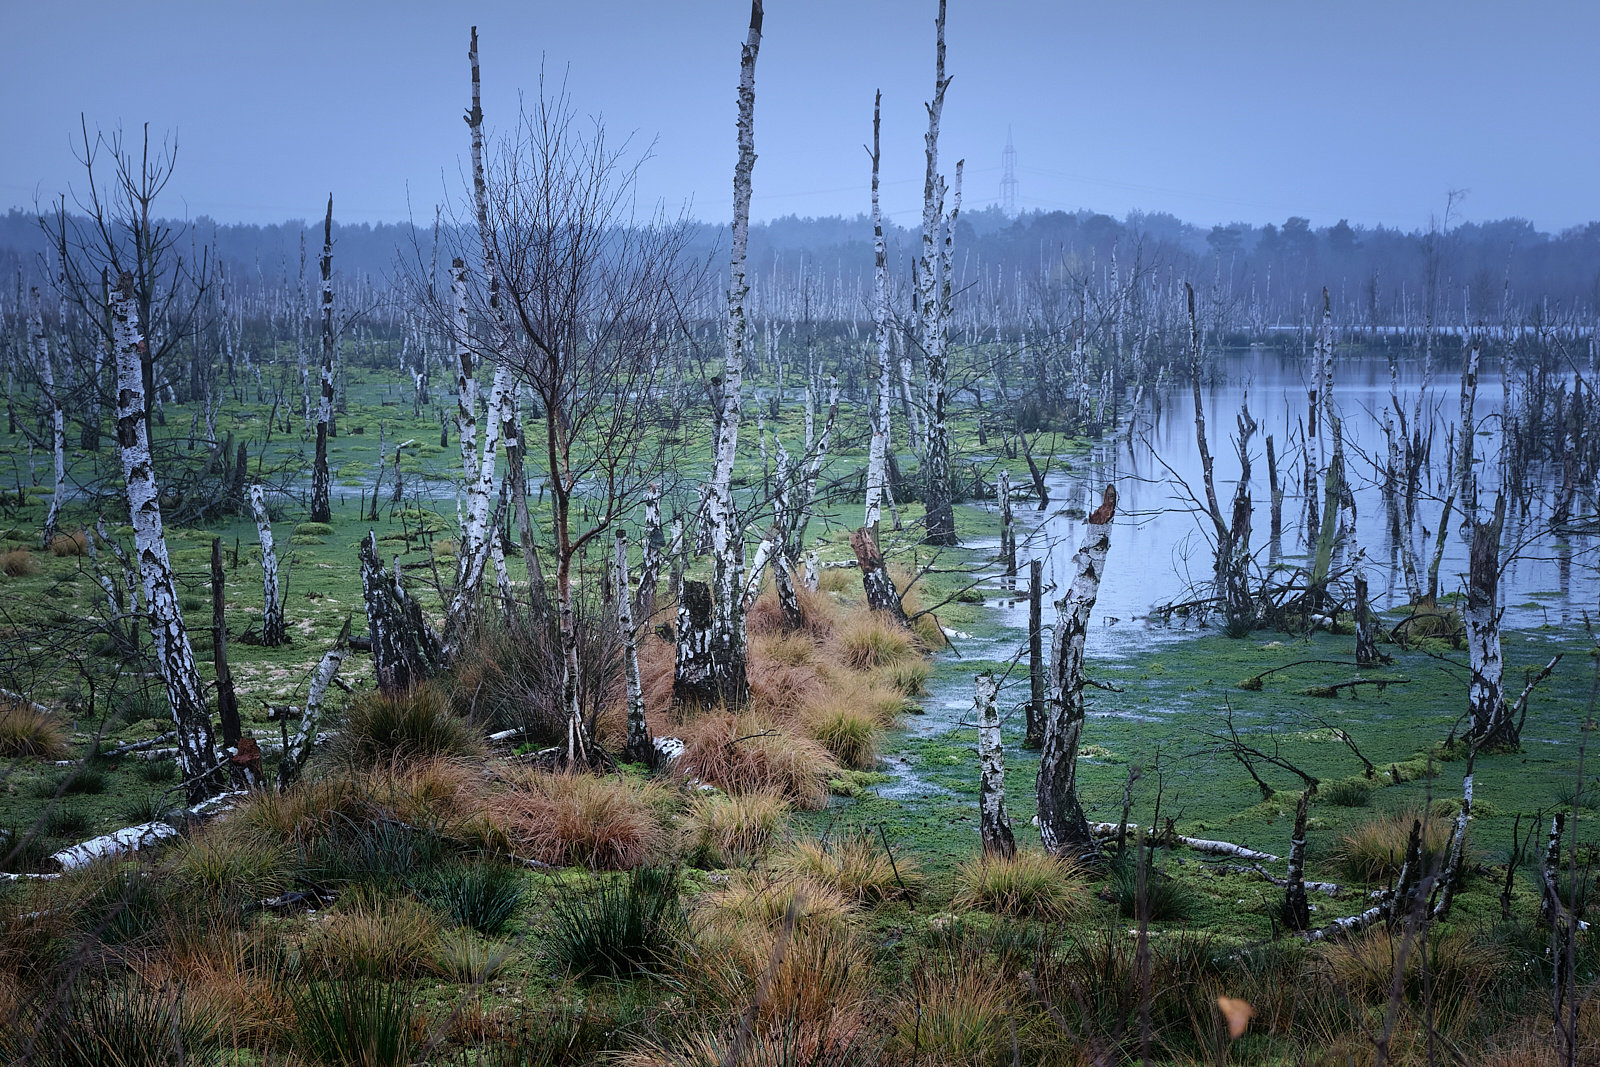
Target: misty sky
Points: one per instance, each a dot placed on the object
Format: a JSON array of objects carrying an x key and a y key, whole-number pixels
[{"x": 1214, "y": 111}]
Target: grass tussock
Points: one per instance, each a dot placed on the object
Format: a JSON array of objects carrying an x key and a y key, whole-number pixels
[
  {"x": 359, "y": 1023},
  {"x": 1347, "y": 792},
  {"x": 848, "y": 731},
  {"x": 18, "y": 563},
  {"x": 226, "y": 973},
  {"x": 1028, "y": 885},
  {"x": 232, "y": 869},
  {"x": 751, "y": 754},
  {"x": 725, "y": 829},
  {"x": 464, "y": 956},
  {"x": 373, "y": 937},
  {"x": 750, "y": 904},
  {"x": 1461, "y": 964},
  {"x": 579, "y": 820},
  {"x": 119, "y": 1024},
  {"x": 480, "y": 896},
  {"x": 819, "y": 610},
  {"x": 73, "y": 544},
  {"x": 1375, "y": 850},
  {"x": 417, "y": 725},
  {"x": 29, "y": 733},
  {"x": 623, "y": 927},
  {"x": 956, "y": 1012},
  {"x": 867, "y": 640},
  {"x": 855, "y": 864}
]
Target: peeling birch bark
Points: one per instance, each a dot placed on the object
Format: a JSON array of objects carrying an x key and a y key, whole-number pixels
[
  {"x": 466, "y": 373},
  {"x": 1453, "y": 874},
  {"x": 1296, "y": 910},
  {"x": 727, "y": 539},
  {"x": 299, "y": 749},
  {"x": 1366, "y": 646},
  {"x": 693, "y": 677},
  {"x": 1486, "y": 702},
  {"x": 120, "y": 842},
  {"x": 644, "y": 604},
  {"x": 475, "y": 533},
  {"x": 875, "y": 579},
  {"x": 405, "y": 650},
  {"x": 1036, "y": 691},
  {"x": 878, "y": 453},
  {"x": 640, "y": 747},
  {"x": 197, "y": 755},
  {"x": 995, "y": 826},
  {"x": 321, "y": 505},
  {"x": 933, "y": 297},
  {"x": 273, "y": 629},
  {"x": 1062, "y": 826}
]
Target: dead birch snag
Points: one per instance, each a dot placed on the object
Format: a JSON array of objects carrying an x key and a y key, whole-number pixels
[
  {"x": 1008, "y": 532},
  {"x": 1036, "y": 702},
  {"x": 875, "y": 578},
  {"x": 405, "y": 650},
  {"x": 1062, "y": 826},
  {"x": 321, "y": 506},
  {"x": 1550, "y": 908},
  {"x": 299, "y": 747},
  {"x": 1454, "y": 872},
  {"x": 197, "y": 750},
  {"x": 644, "y": 604},
  {"x": 995, "y": 826},
  {"x": 693, "y": 678},
  {"x": 227, "y": 699},
  {"x": 933, "y": 306},
  {"x": 1367, "y": 653},
  {"x": 466, "y": 373},
  {"x": 273, "y": 629},
  {"x": 58, "y": 426},
  {"x": 727, "y": 538},
  {"x": 1275, "y": 486},
  {"x": 1296, "y": 910},
  {"x": 1486, "y": 701},
  {"x": 878, "y": 454},
  {"x": 640, "y": 748},
  {"x": 475, "y": 532}
]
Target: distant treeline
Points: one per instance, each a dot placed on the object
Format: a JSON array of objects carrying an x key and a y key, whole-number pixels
[{"x": 1488, "y": 273}]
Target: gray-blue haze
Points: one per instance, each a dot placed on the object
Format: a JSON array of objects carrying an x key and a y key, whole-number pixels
[{"x": 1216, "y": 112}]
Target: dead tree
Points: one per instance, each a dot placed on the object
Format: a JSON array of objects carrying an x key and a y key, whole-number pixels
[
  {"x": 45, "y": 368},
  {"x": 1036, "y": 702},
  {"x": 727, "y": 537},
  {"x": 1062, "y": 825},
  {"x": 1008, "y": 530},
  {"x": 875, "y": 579},
  {"x": 1486, "y": 701},
  {"x": 405, "y": 651},
  {"x": 881, "y": 447},
  {"x": 639, "y": 747},
  {"x": 994, "y": 824},
  {"x": 274, "y": 632},
  {"x": 1296, "y": 910},
  {"x": 298, "y": 749},
  {"x": 227, "y": 699},
  {"x": 934, "y": 289},
  {"x": 321, "y": 507},
  {"x": 1367, "y": 653},
  {"x": 694, "y": 681},
  {"x": 197, "y": 750}
]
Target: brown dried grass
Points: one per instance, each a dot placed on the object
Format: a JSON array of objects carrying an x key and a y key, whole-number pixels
[
  {"x": 754, "y": 906},
  {"x": 568, "y": 820},
  {"x": 28, "y": 733},
  {"x": 848, "y": 731},
  {"x": 73, "y": 544},
  {"x": 869, "y": 639},
  {"x": 1376, "y": 849},
  {"x": 229, "y": 974},
  {"x": 18, "y": 563},
  {"x": 819, "y": 610},
  {"x": 374, "y": 937},
  {"x": 730, "y": 829},
  {"x": 1029, "y": 884},
  {"x": 956, "y": 1013},
  {"x": 749, "y": 753},
  {"x": 856, "y": 865}
]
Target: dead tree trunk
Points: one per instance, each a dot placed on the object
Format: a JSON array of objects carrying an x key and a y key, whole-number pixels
[
  {"x": 994, "y": 824},
  {"x": 1454, "y": 872},
  {"x": 197, "y": 750},
  {"x": 1275, "y": 486},
  {"x": 1296, "y": 910},
  {"x": 639, "y": 747},
  {"x": 1036, "y": 704},
  {"x": 274, "y": 632},
  {"x": 1062, "y": 825},
  {"x": 875, "y": 579},
  {"x": 58, "y": 426},
  {"x": 321, "y": 506},
  {"x": 644, "y": 604},
  {"x": 727, "y": 537},
  {"x": 227, "y": 700},
  {"x": 878, "y": 455},
  {"x": 1486, "y": 701},
  {"x": 694, "y": 682},
  {"x": 933, "y": 284},
  {"x": 405, "y": 651},
  {"x": 1008, "y": 532},
  {"x": 299, "y": 748},
  {"x": 1367, "y": 653}
]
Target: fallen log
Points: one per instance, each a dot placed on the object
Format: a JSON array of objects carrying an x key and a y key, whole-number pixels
[{"x": 1199, "y": 844}]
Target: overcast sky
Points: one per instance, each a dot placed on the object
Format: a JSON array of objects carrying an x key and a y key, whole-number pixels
[{"x": 1214, "y": 111}]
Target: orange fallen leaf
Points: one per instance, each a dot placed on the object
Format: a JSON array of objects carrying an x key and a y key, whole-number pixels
[{"x": 1238, "y": 1013}]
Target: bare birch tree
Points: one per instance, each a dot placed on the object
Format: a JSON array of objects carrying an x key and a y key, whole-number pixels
[
  {"x": 321, "y": 483},
  {"x": 1062, "y": 825},
  {"x": 197, "y": 751},
  {"x": 934, "y": 307}
]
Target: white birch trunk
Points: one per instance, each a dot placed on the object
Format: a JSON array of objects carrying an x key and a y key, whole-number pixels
[
  {"x": 299, "y": 749},
  {"x": 639, "y": 747},
  {"x": 466, "y": 373},
  {"x": 475, "y": 533},
  {"x": 727, "y": 539},
  {"x": 321, "y": 482},
  {"x": 644, "y": 604},
  {"x": 197, "y": 750},
  {"x": 58, "y": 426},
  {"x": 994, "y": 825},
  {"x": 273, "y": 630},
  {"x": 1062, "y": 826}
]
